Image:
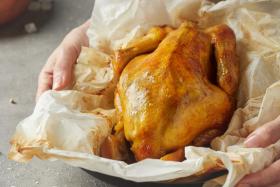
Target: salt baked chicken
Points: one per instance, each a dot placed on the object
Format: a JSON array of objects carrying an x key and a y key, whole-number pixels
[{"x": 175, "y": 88}]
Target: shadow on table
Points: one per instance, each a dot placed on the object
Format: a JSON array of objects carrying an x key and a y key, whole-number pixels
[
  {"x": 124, "y": 183},
  {"x": 16, "y": 27}
]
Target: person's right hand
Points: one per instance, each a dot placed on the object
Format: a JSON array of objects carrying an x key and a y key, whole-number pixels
[{"x": 57, "y": 72}]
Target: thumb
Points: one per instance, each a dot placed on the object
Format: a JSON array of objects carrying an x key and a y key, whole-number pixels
[{"x": 265, "y": 135}]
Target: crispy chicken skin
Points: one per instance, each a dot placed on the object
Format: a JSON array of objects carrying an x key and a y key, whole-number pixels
[
  {"x": 146, "y": 44},
  {"x": 167, "y": 99}
]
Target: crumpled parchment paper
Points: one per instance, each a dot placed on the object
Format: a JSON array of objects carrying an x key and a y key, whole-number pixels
[{"x": 70, "y": 125}]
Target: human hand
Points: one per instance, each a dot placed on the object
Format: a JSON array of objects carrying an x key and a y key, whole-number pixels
[
  {"x": 263, "y": 137},
  {"x": 57, "y": 72}
]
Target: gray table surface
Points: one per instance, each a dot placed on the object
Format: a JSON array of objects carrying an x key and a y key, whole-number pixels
[{"x": 21, "y": 58}]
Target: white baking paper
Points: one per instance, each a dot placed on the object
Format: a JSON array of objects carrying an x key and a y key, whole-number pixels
[{"x": 71, "y": 125}]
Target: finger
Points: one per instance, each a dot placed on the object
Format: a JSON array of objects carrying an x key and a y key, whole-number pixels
[
  {"x": 62, "y": 74},
  {"x": 46, "y": 75},
  {"x": 265, "y": 135},
  {"x": 45, "y": 83},
  {"x": 69, "y": 50},
  {"x": 266, "y": 177}
]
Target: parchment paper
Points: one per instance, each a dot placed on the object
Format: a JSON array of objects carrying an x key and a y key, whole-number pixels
[{"x": 71, "y": 125}]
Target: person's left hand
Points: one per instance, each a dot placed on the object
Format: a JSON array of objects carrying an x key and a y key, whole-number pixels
[
  {"x": 58, "y": 71},
  {"x": 264, "y": 136}
]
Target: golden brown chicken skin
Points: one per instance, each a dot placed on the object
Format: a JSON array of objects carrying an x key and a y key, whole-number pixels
[{"x": 168, "y": 99}]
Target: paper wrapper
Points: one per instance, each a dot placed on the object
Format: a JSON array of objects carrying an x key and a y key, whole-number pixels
[{"x": 71, "y": 125}]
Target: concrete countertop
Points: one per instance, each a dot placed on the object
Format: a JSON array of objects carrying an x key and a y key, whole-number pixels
[{"x": 21, "y": 58}]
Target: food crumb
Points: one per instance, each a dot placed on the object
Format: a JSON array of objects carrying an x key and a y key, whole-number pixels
[
  {"x": 36, "y": 182},
  {"x": 12, "y": 101},
  {"x": 30, "y": 28}
]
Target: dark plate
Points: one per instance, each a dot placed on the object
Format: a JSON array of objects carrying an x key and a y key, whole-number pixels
[{"x": 192, "y": 181}]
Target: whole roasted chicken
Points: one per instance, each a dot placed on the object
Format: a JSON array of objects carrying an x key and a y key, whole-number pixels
[{"x": 175, "y": 88}]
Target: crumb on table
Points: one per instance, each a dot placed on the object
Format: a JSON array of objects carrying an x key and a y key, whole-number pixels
[{"x": 12, "y": 101}]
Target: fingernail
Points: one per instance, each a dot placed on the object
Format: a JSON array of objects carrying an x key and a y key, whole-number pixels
[
  {"x": 251, "y": 141},
  {"x": 57, "y": 82},
  {"x": 243, "y": 185}
]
